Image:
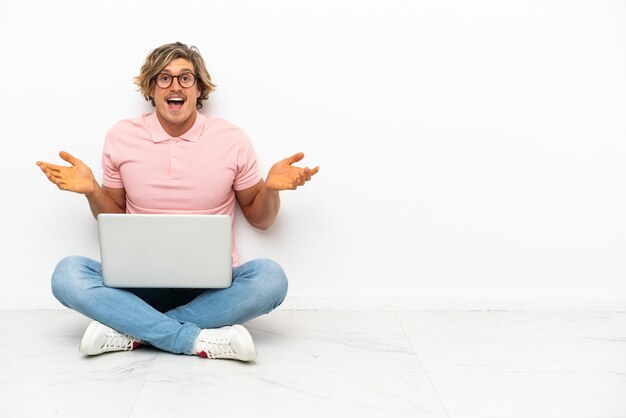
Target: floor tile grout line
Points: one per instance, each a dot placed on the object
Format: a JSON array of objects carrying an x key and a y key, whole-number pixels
[
  {"x": 143, "y": 384},
  {"x": 432, "y": 384}
]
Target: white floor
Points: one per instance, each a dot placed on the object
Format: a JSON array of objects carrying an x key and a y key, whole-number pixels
[{"x": 331, "y": 364}]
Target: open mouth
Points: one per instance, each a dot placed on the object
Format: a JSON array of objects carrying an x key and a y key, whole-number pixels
[{"x": 175, "y": 103}]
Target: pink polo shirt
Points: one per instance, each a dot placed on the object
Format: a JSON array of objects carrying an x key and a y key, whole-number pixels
[{"x": 195, "y": 173}]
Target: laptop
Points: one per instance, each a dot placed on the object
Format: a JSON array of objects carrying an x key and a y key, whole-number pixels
[{"x": 172, "y": 251}]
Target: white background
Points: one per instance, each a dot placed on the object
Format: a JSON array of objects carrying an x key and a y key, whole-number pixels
[{"x": 472, "y": 153}]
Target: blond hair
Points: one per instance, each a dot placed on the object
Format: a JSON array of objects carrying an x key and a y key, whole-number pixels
[{"x": 160, "y": 58}]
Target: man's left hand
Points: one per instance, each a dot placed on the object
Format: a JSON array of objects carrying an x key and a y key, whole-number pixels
[{"x": 284, "y": 176}]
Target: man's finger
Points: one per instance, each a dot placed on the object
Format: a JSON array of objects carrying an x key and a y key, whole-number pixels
[
  {"x": 54, "y": 179},
  {"x": 307, "y": 173},
  {"x": 295, "y": 158},
  {"x": 45, "y": 167},
  {"x": 69, "y": 157},
  {"x": 53, "y": 174}
]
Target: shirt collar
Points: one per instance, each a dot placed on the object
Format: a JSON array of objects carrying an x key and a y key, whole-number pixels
[{"x": 158, "y": 134}]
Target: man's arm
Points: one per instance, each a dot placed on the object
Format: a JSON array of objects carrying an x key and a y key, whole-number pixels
[
  {"x": 107, "y": 200},
  {"x": 260, "y": 203},
  {"x": 78, "y": 178}
]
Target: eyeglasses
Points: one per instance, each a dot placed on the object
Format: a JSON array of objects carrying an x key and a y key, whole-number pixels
[{"x": 185, "y": 80}]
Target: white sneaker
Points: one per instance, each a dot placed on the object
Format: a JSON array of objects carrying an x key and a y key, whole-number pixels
[
  {"x": 100, "y": 339},
  {"x": 226, "y": 343}
]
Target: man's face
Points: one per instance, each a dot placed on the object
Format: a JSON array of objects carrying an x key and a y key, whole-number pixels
[{"x": 176, "y": 105}]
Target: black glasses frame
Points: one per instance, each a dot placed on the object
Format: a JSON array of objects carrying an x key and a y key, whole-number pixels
[{"x": 172, "y": 77}]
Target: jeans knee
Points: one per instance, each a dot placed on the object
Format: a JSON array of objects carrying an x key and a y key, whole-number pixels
[
  {"x": 60, "y": 275},
  {"x": 275, "y": 280},
  {"x": 65, "y": 275}
]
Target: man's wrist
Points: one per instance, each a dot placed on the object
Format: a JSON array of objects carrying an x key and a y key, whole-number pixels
[
  {"x": 94, "y": 192},
  {"x": 268, "y": 189}
]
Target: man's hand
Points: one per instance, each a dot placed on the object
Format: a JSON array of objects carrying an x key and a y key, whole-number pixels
[
  {"x": 78, "y": 178},
  {"x": 284, "y": 176}
]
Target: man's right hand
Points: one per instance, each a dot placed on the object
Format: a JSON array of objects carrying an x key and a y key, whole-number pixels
[{"x": 78, "y": 178}]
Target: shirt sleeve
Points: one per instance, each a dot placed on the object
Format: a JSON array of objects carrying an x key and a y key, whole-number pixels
[
  {"x": 247, "y": 169},
  {"x": 110, "y": 172}
]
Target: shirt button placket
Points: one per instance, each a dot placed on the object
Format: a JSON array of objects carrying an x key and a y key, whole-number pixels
[{"x": 173, "y": 164}]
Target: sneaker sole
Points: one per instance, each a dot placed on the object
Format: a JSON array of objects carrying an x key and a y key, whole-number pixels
[{"x": 243, "y": 332}]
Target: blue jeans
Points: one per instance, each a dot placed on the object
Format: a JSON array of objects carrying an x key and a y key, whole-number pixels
[{"x": 169, "y": 319}]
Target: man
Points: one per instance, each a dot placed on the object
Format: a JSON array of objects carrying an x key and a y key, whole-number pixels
[{"x": 176, "y": 160}]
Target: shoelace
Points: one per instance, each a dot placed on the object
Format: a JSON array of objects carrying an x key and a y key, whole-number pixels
[
  {"x": 216, "y": 349},
  {"x": 118, "y": 341}
]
